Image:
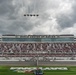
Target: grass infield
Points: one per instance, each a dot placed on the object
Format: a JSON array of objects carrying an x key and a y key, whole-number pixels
[{"x": 5, "y": 70}]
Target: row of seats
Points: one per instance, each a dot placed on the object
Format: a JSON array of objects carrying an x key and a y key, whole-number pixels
[{"x": 37, "y": 48}]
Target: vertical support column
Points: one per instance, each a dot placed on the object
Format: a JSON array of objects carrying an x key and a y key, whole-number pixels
[{"x": 37, "y": 60}]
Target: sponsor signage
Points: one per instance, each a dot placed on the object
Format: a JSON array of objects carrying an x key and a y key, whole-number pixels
[{"x": 33, "y": 68}]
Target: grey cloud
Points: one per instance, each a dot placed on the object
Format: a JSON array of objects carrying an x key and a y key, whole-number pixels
[
  {"x": 15, "y": 22},
  {"x": 65, "y": 21},
  {"x": 17, "y": 25},
  {"x": 7, "y": 10},
  {"x": 3, "y": 28},
  {"x": 37, "y": 6},
  {"x": 38, "y": 33},
  {"x": 1, "y": 1},
  {"x": 5, "y": 7},
  {"x": 74, "y": 11}
]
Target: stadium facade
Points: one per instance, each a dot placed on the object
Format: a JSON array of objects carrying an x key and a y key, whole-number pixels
[
  {"x": 38, "y": 38},
  {"x": 39, "y": 48}
]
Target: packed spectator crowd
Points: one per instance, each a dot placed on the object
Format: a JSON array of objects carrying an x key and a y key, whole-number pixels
[{"x": 37, "y": 48}]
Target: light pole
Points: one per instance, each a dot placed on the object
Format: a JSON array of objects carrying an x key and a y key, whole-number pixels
[{"x": 37, "y": 60}]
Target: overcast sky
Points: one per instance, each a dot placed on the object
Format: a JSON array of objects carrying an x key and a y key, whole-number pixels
[{"x": 55, "y": 17}]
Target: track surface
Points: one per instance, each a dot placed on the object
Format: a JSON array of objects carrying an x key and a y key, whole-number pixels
[{"x": 40, "y": 63}]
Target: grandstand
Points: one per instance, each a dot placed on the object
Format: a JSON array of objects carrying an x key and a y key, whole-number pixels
[{"x": 39, "y": 49}]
